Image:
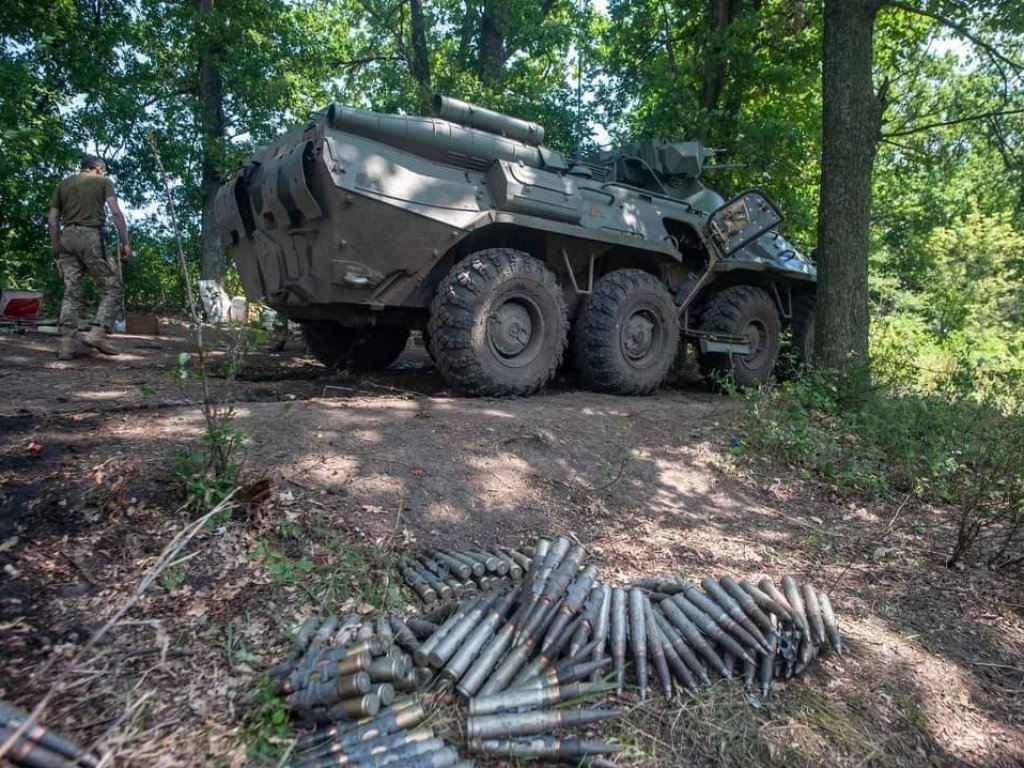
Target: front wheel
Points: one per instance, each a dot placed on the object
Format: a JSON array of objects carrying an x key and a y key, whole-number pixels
[
  {"x": 627, "y": 334},
  {"x": 498, "y": 324},
  {"x": 749, "y": 313}
]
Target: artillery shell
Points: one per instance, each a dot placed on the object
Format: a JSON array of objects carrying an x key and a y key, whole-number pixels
[
  {"x": 330, "y": 691},
  {"x": 422, "y": 654},
  {"x": 573, "y": 672},
  {"x": 456, "y": 566},
  {"x": 420, "y": 628},
  {"x": 512, "y": 568},
  {"x": 785, "y": 612},
  {"x": 718, "y": 594},
  {"x": 376, "y": 745},
  {"x": 679, "y": 670},
  {"x": 513, "y": 724},
  {"x": 829, "y": 618},
  {"x": 603, "y": 626},
  {"x": 575, "y": 594},
  {"x": 476, "y": 568},
  {"x": 492, "y": 563},
  {"x": 748, "y": 605},
  {"x": 23, "y": 751},
  {"x": 36, "y": 740},
  {"x": 518, "y": 558},
  {"x": 638, "y": 638},
  {"x": 366, "y": 705},
  {"x": 388, "y": 668},
  {"x": 400, "y": 716},
  {"x": 383, "y": 631},
  {"x": 508, "y": 667},
  {"x": 618, "y": 636},
  {"x": 680, "y": 646},
  {"x": 655, "y": 644},
  {"x": 322, "y": 637},
  {"x": 814, "y": 614},
  {"x": 463, "y": 657},
  {"x": 716, "y": 615},
  {"x": 796, "y": 604},
  {"x": 418, "y": 582},
  {"x": 708, "y": 625},
  {"x": 730, "y": 664},
  {"x": 766, "y": 601},
  {"x": 528, "y": 698},
  {"x": 542, "y": 746},
  {"x": 689, "y": 630},
  {"x": 385, "y": 693},
  {"x": 404, "y": 637},
  {"x": 765, "y": 673},
  {"x": 316, "y": 672},
  {"x": 418, "y": 754},
  {"x": 481, "y": 668},
  {"x": 446, "y": 647}
]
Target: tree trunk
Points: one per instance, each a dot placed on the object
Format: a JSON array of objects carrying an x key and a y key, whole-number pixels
[
  {"x": 491, "y": 54},
  {"x": 722, "y": 13},
  {"x": 212, "y": 132},
  {"x": 851, "y": 122},
  {"x": 420, "y": 60}
]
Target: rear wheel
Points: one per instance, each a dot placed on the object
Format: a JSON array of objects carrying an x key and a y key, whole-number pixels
[
  {"x": 329, "y": 342},
  {"x": 376, "y": 348},
  {"x": 749, "y": 313},
  {"x": 802, "y": 329},
  {"x": 498, "y": 324},
  {"x": 627, "y": 334}
]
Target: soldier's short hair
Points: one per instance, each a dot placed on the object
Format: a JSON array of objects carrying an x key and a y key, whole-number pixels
[{"x": 92, "y": 161}]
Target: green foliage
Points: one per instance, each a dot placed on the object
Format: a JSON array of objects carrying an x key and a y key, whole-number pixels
[
  {"x": 210, "y": 472},
  {"x": 328, "y": 567},
  {"x": 267, "y": 729},
  {"x": 950, "y": 450}
]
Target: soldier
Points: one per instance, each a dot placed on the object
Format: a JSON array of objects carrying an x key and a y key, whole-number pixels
[{"x": 77, "y": 203}]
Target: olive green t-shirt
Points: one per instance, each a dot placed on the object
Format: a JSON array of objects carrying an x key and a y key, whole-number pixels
[{"x": 80, "y": 199}]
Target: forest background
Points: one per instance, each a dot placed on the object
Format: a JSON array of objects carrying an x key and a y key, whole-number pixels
[{"x": 940, "y": 268}]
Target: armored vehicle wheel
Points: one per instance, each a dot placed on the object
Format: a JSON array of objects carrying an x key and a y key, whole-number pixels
[
  {"x": 498, "y": 324},
  {"x": 377, "y": 348},
  {"x": 749, "y": 312},
  {"x": 802, "y": 329},
  {"x": 329, "y": 342},
  {"x": 627, "y": 334}
]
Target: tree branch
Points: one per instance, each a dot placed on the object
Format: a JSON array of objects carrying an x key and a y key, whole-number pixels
[
  {"x": 967, "y": 34},
  {"x": 957, "y": 121}
]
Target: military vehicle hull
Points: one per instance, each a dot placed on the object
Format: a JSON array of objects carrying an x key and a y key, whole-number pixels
[{"x": 362, "y": 226}]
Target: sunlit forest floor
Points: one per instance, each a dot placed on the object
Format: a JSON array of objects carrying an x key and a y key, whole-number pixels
[{"x": 361, "y": 468}]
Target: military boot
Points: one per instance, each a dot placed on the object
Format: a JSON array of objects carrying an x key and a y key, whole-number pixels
[{"x": 97, "y": 339}]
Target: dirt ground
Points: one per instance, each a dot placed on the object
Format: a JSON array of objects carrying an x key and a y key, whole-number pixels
[{"x": 935, "y": 671}]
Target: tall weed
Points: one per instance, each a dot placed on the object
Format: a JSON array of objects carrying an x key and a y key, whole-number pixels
[{"x": 943, "y": 447}]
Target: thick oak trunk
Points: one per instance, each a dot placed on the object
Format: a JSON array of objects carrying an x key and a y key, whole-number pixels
[
  {"x": 851, "y": 124},
  {"x": 212, "y": 130}
]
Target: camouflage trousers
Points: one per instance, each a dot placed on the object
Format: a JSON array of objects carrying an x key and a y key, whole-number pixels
[{"x": 82, "y": 251}]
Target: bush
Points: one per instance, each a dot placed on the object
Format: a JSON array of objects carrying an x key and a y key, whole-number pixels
[{"x": 944, "y": 448}]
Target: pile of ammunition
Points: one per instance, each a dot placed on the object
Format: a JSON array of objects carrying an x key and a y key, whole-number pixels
[
  {"x": 344, "y": 678},
  {"x": 530, "y": 630},
  {"x": 563, "y": 618},
  {"x": 445, "y": 574},
  {"x": 38, "y": 747}
]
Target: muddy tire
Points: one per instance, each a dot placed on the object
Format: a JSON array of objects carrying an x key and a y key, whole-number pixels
[
  {"x": 498, "y": 324},
  {"x": 377, "y": 348},
  {"x": 748, "y": 312},
  {"x": 627, "y": 334},
  {"x": 329, "y": 342}
]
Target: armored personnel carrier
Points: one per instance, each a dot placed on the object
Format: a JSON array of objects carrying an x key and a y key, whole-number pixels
[{"x": 509, "y": 256}]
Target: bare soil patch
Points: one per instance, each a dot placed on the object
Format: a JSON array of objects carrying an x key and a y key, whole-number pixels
[{"x": 935, "y": 672}]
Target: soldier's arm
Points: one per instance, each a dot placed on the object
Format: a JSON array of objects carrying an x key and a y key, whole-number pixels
[
  {"x": 122, "y": 227},
  {"x": 52, "y": 223}
]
